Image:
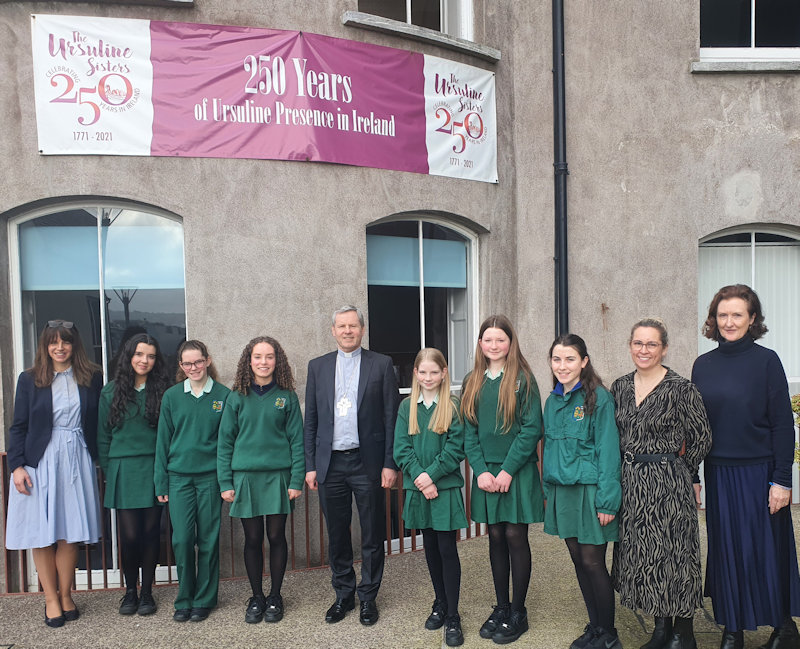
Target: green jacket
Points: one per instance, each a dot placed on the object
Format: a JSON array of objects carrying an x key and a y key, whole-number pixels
[
  {"x": 438, "y": 455},
  {"x": 583, "y": 449}
]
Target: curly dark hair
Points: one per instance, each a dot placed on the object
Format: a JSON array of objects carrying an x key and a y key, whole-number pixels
[
  {"x": 744, "y": 292},
  {"x": 158, "y": 380},
  {"x": 590, "y": 379},
  {"x": 244, "y": 373}
]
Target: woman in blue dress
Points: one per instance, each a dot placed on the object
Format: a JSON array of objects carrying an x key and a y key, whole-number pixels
[{"x": 53, "y": 499}]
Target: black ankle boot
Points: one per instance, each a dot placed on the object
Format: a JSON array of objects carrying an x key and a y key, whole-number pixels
[
  {"x": 662, "y": 632},
  {"x": 732, "y": 640}
]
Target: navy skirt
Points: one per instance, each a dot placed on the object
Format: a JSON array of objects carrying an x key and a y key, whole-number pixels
[{"x": 751, "y": 573}]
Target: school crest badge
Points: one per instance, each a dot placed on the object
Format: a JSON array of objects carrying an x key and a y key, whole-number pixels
[
  {"x": 280, "y": 402},
  {"x": 216, "y": 406},
  {"x": 577, "y": 414},
  {"x": 516, "y": 389}
]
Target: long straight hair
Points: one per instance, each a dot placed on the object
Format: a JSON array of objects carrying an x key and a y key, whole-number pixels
[
  {"x": 82, "y": 368},
  {"x": 445, "y": 407},
  {"x": 590, "y": 379},
  {"x": 514, "y": 365}
]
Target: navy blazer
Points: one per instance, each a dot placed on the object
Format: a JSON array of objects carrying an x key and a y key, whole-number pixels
[
  {"x": 32, "y": 427},
  {"x": 378, "y": 399}
]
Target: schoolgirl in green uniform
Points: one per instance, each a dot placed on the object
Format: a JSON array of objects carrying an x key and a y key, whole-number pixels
[
  {"x": 126, "y": 444},
  {"x": 581, "y": 476},
  {"x": 428, "y": 448},
  {"x": 186, "y": 477},
  {"x": 502, "y": 416},
  {"x": 261, "y": 466}
]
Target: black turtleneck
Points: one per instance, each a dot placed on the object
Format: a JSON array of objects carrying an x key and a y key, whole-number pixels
[{"x": 747, "y": 399}]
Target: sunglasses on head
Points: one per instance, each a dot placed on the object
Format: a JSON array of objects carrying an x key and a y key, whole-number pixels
[{"x": 66, "y": 324}]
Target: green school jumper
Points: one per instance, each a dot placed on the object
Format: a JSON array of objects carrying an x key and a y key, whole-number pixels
[
  {"x": 127, "y": 454},
  {"x": 260, "y": 451},
  {"x": 490, "y": 449},
  {"x": 186, "y": 471},
  {"x": 438, "y": 455}
]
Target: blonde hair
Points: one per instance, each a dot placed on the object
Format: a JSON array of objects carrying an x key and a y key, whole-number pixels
[
  {"x": 445, "y": 408},
  {"x": 514, "y": 365}
]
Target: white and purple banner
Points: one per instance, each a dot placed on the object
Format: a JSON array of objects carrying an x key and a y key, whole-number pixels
[{"x": 136, "y": 87}]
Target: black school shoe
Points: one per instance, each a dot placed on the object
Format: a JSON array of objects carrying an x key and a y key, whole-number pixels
[
  {"x": 586, "y": 637},
  {"x": 498, "y": 616},
  {"x": 274, "y": 609},
  {"x": 147, "y": 605},
  {"x": 436, "y": 618},
  {"x": 129, "y": 603},
  {"x": 199, "y": 613},
  {"x": 510, "y": 630},
  {"x": 255, "y": 610},
  {"x": 453, "y": 636},
  {"x": 182, "y": 614},
  {"x": 605, "y": 639}
]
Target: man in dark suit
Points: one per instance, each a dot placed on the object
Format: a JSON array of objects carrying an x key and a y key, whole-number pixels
[{"x": 351, "y": 407}]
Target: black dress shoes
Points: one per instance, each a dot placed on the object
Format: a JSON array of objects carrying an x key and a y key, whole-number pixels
[
  {"x": 199, "y": 614},
  {"x": 53, "y": 622},
  {"x": 436, "y": 618},
  {"x": 71, "y": 616},
  {"x": 369, "y": 613},
  {"x": 339, "y": 609},
  {"x": 182, "y": 614},
  {"x": 732, "y": 640},
  {"x": 785, "y": 637}
]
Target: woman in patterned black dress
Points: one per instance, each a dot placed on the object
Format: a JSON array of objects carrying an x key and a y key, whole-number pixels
[{"x": 664, "y": 435}]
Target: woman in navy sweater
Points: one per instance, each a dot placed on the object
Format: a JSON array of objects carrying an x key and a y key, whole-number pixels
[{"x": 752, "y": 575}]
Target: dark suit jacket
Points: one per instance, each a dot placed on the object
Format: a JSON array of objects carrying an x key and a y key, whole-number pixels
[
  {"x": 32, "y": 427},
  {"x": 378, "y": 399}
]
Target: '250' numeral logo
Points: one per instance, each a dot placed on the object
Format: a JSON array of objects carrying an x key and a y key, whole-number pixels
[
  {"x": 472, "y": 126},
  {"x": 115, "y": 94}
]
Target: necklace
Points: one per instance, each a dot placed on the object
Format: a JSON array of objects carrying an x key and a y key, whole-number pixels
[{"x": 642, "y": 388}]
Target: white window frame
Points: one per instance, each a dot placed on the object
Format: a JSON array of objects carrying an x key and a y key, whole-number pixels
[
  {"x": 752, "y": 53},
  {"x": 113, "y": 571}
]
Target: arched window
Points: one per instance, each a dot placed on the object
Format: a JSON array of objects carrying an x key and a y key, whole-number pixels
[
  {"x": 421, "y": 293},
  {"x": 69, "y": 260}
]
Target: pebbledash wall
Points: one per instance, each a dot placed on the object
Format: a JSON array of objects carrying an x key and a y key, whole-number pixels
[{"x": 666, "y": 149}]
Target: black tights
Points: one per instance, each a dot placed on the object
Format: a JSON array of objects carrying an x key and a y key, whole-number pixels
[
  {"x": 254, "y": 551},
  {"x": 510, "y": 552},
  {"x": 140, "y": 536},
  {"x": 444, "y": 566},
  {"x": 593, "y": 579}
]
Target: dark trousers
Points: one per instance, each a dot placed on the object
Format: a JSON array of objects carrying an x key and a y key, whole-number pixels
[{"x": 347, "y": 478}]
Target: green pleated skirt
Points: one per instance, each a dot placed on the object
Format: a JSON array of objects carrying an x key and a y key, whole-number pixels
[
  {"x": 523, "y": 503},
  {"x": 129, "y": 482},
  {"x": 444, "y": 513},
  {"x": 261, "y": 493},
  {"x": 571, "y": 513}
]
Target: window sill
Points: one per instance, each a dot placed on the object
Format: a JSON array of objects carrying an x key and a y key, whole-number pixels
[
  {"x": 743, "y": 66},
  {"x": 397, "y": 28}
]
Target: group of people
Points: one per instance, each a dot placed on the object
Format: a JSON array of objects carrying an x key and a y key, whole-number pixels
[{"x": 618, "y": 465}]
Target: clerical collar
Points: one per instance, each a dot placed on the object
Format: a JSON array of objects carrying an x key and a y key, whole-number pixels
[{"x": 356, "y": 352}]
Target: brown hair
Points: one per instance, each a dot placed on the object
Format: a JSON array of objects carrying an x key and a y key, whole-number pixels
[
  {"x": 590, "y": 379},
  {"x": 195, "y": 345},
  {"x": 445, "y": 408},
  {"x": 514, "y": 365},
  {"x": 244, "y": 373},
  {"x": 744, "y": 292},
  {"x": 82, "y": 367},
  {"x": 652, "y": 323}
]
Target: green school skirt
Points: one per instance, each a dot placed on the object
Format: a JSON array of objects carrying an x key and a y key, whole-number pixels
[
  {"x": 129, "y": 482},
  {"x": 443, "y": 513},
  {"x": 261, "y": 493},
  {"x": 523, "y": 503},
  {"x": 571, "y": 513}
]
